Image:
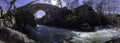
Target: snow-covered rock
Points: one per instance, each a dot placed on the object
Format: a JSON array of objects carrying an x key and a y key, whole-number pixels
[
  {"x": 9, "y": 35},
  {"x": 99, "y": 36}
]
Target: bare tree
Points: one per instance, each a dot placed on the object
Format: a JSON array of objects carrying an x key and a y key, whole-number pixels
[
  {"x": 49, "y": 1},
  {"x": 104, "y": 6},
  {"x": 71, "y": 3},
  {"x": 12, "y": 3},
  {"x": 75, "y": 3},
  {"x": 1, "y": 11},
  {"x": 59, "y": 3}
]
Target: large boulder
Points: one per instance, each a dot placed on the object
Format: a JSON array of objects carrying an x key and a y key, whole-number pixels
[{"x": 9, "y": 35}]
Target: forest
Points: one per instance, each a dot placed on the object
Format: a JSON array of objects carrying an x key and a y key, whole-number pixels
[{"x": 59, "y": 21}]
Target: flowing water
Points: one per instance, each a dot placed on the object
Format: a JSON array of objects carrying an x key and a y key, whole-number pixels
[{"x": 46, "y": 34}]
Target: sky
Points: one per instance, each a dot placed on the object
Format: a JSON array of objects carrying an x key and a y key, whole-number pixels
[
  {"x": 39, "y": 14},
  {"x": 18, "y": 3}
]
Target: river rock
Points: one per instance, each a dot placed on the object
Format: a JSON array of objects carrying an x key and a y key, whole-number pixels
[{"x": 9, "y": 35}]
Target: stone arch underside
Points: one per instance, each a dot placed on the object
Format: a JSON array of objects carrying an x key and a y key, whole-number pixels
[{"x": 39, "y": 14}]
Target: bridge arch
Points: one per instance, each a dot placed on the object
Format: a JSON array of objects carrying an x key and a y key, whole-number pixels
[
  {"x": 50, "y": 10},
  {"x": 40, "y": 14}
]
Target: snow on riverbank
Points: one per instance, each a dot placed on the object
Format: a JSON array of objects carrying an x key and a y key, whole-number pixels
[
  {"x": 100, "y": 36},
  {"x": 45, "y": 34}
]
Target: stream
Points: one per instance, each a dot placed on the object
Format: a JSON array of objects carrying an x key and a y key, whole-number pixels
[{"x": 46, "y": 34}]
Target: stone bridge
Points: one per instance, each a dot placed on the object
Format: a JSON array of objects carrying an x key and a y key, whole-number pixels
[
  {"x": 50, "y": 10},
  {"x": 25, "y": 15}
]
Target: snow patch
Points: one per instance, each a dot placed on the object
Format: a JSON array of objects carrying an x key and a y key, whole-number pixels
[{"x": 100, "y": 36}]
